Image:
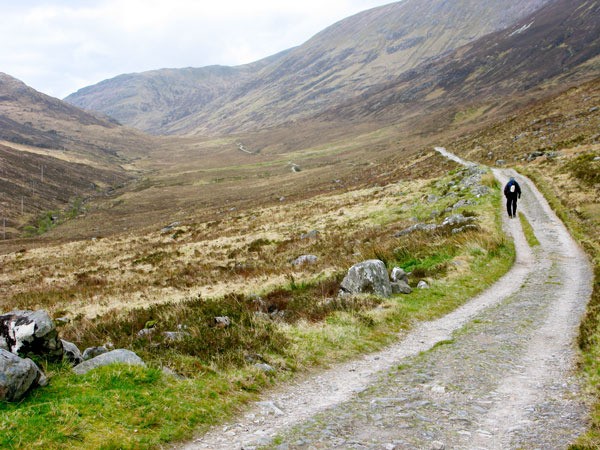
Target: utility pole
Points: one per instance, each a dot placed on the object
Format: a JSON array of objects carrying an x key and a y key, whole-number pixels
[{"x": 42, "y": 168}]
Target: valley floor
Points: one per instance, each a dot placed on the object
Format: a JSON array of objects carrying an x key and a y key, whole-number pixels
[{"x": 497, "y": 373}]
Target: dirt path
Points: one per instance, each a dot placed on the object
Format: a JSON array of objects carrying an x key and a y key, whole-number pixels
[{"x": 500, "y": 377}]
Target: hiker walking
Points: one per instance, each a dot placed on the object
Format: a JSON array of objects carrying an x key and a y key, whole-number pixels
[{"x": 512, "y": 191}]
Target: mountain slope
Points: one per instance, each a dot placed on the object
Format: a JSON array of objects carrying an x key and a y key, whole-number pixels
[
  {"x": 32, "y": 118},
  {"x": 556, "y": 46},
  {"x": 347, "y": 58},
  {"x": 149, "y": 100},
  {"x": 52, "y": 152}
]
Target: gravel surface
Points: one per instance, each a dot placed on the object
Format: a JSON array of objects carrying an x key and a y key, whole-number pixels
[{"x": 497, "y": 373}]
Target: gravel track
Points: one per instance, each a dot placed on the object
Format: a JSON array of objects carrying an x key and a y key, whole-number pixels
[{"x": 497, "y": 373}]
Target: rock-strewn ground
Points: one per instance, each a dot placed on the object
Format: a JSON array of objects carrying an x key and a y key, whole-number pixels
[{"x": 500, "y": 377}]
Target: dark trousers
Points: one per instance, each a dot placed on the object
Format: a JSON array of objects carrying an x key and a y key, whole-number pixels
[{"x": 511, "y": 206}]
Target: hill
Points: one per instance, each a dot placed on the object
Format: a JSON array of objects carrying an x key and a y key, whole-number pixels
[
  {"x": 31, "y": 118},
  {"x": 347, "y": 58},
  {"x": 52, "y": 153},
  {"x": 557, "y": 46},
  {"x": 151, "y": 100}
]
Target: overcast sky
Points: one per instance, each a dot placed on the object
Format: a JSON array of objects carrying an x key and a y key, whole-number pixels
[{"x": 60, "y": 46}]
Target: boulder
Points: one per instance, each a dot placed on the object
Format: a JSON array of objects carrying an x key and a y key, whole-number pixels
[
  {"x": 367, "y": 277},
  {"x": 456, "y": 219},
  {"x": 30, "y": 333},
  {"x": 400, "y": 287},
  {"x": 17, "y": 376},
  {"x": 119, "y": 356},
  {"x": 71, "y": 353},
  {"x": 170, "y": 227},
  {"x": 175, "y": 336},
  {"x": 313, "y": 234},
  {"x": 422, "y": 285},
  {"x": 305, "y": 259},
  {"x": 92, "y": 352},
  {"x": 398, "y": 274},
  {"x": 266, "y": 368},
  {"x": 416, "y": 227},
  {"x": 222, "y": 322}
]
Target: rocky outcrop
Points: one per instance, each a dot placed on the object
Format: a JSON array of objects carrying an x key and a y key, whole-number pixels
[
  {"x": 456, "y": 223},
  {"x": 305, "y": 260},
  {"x": 371, "y": 277},
  {"x": 30, "y": 333},
  {"x": 119, "y": 356},
  {"x": 416, "y": 227},
  {"x": 17, "y": 376}
]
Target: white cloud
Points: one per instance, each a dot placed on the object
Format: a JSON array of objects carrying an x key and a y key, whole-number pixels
[{"x": 58, "y": 46}]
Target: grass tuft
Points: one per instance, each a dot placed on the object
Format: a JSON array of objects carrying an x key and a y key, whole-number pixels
[{"x": 532, "y": 240}]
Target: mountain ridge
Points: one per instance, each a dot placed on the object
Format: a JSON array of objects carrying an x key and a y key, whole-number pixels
[
  {"x": 501, "y": 68},
  {"x": 346, "y": 58}
]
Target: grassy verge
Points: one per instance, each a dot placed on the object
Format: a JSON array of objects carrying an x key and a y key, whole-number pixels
[
  {"x": 532, "y": 240},
  {"x": 292, "y": 328},
  {"x": 121, "y": 407}
]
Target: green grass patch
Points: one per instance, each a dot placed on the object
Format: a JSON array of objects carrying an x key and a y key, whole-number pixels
[
  {"x": 42, "y": 224},
  {"x": 117, "y": 407},
  {"x": 585, "y": 168},
  {"x": 532, "y": 240}
]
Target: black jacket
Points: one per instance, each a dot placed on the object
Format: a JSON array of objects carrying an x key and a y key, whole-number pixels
[{"x": 516, "y": 191}]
